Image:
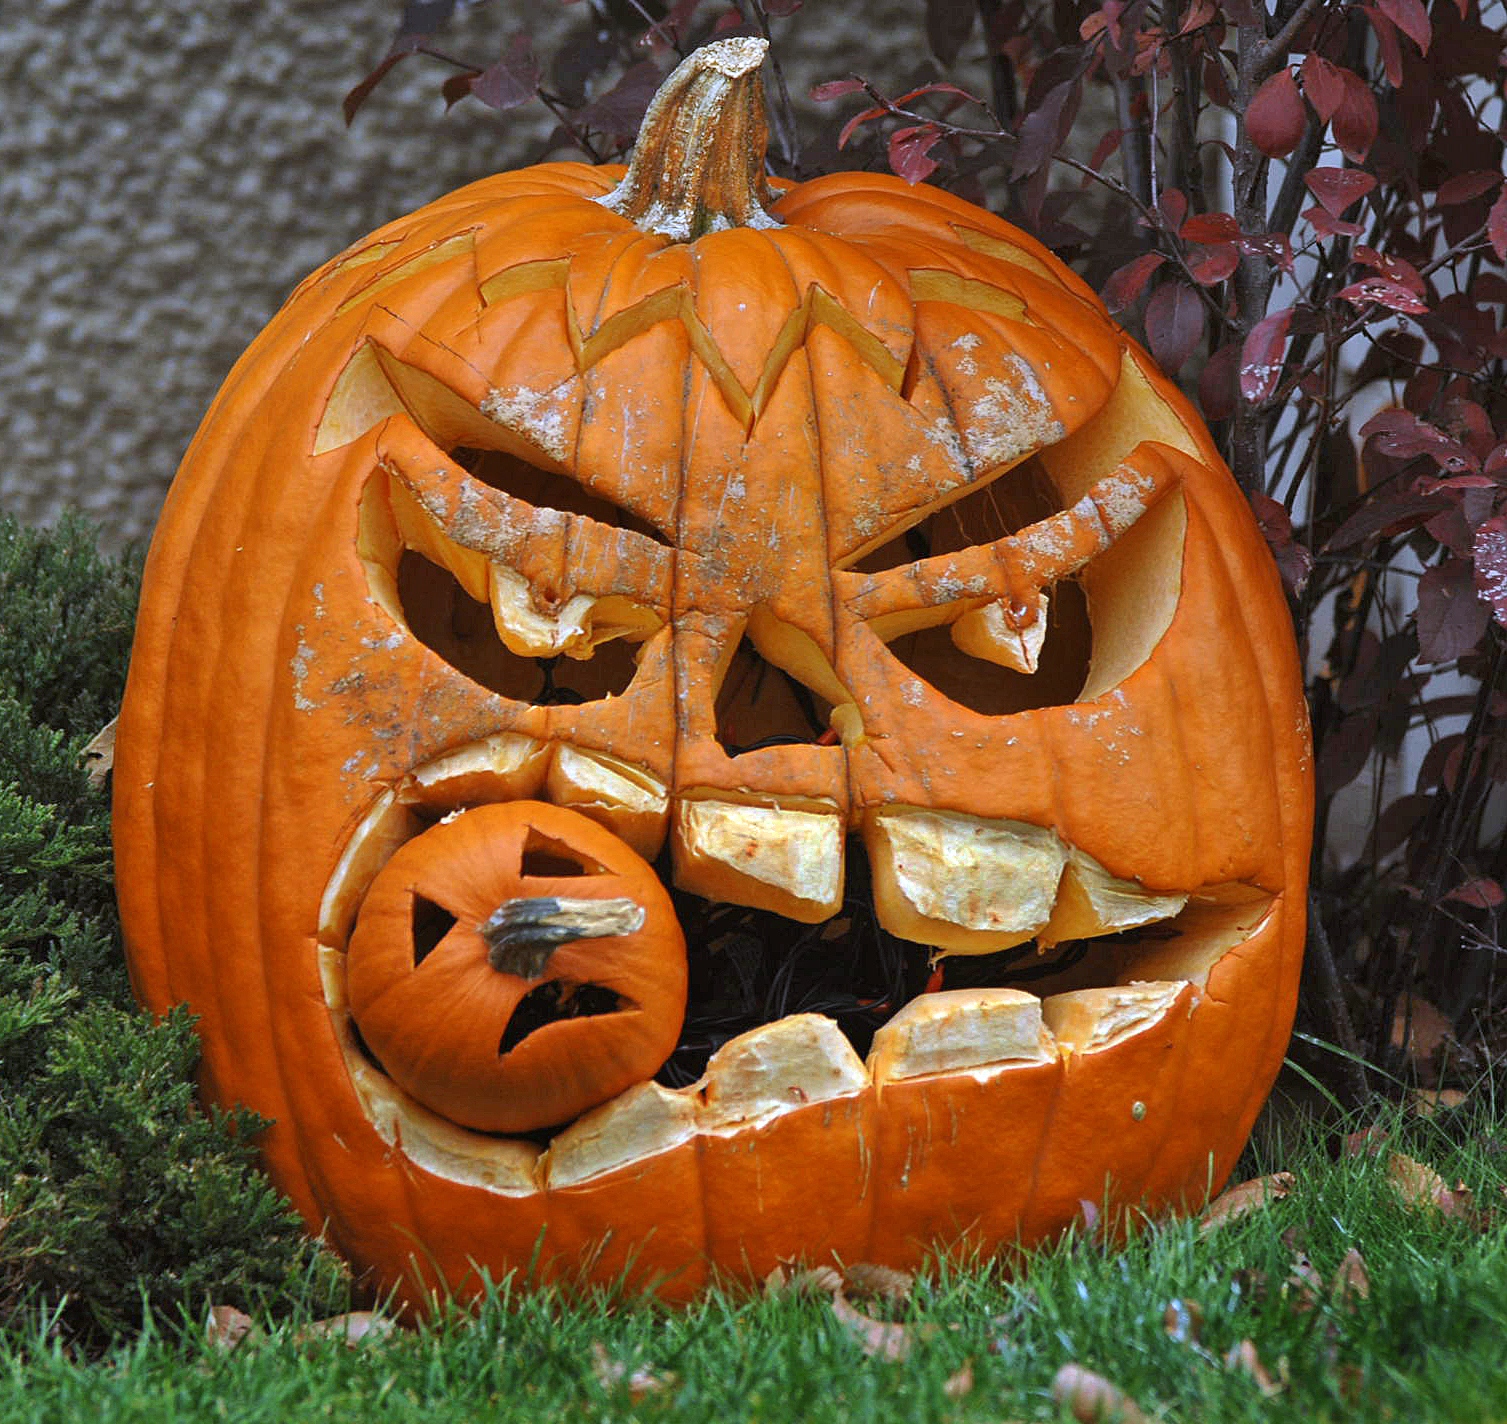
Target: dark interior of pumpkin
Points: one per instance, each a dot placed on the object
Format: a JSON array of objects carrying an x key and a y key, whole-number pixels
[{"x": 749, "y": 967}]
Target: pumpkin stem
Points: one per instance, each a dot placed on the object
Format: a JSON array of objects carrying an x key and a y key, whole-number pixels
[
  {"x": 698, "y": 166},
  {"x": 522, "y": 934}
]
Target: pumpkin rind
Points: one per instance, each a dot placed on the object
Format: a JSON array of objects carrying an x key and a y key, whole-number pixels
[{"x": 884, "y": 350}]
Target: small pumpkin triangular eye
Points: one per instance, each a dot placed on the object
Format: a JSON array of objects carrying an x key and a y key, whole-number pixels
[{"x": 431, "y": 923}]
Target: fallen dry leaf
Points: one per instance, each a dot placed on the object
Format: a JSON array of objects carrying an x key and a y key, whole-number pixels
[
  {"x": 822, "y": 1280},
  {"x": 353, "y": 1328},
  {"x": 881, "y": 1282},
  {"x": 98, "y": 755},
  {"x": 1244, "y": 1198},
  {"x": 880, "y": 1339},
  {"x": 1430, "y": 1102},
  {"x": 1183, "y": 1321},
  {"x": 960, "y": 1383},
  {"x": 1422, "y": 1187},
  {"x": 1352, "y": 1282},
  {"x": 1093, "y": 1399},
  {"x": 1243, "y": 1357},
  {"x": 614, "y": 1374},
  {"x": 1304, "y": 1285},
  {"x": 1423, "y": 1032},
  {"x": 226, "y": 1326}
]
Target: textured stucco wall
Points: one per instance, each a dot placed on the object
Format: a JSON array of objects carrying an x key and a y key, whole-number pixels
[{"x": 170, "y": 169}]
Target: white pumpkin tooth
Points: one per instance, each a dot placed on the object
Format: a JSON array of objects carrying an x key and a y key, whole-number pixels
[
  {"x": 1091, "y": 901},
  {"x": 778, "y": 1067},
  {"x": 995, "y": 635},
  {"x": 631, "y": 802},
  {"x": 778, "y": 858},
  {"x": 1087, "y": 1020},
  {"x": 505, "y": 767},
  {"x": 643, "y": 1121},
  {"x": 960, "y": 883},
  {"x": 958, "y": 1029}
]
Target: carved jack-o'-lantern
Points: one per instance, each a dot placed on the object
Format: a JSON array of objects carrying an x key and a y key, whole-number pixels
[{"x": 677, "y": 725}]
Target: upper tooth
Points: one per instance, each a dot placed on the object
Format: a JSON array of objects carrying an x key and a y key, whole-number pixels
[
  {"x": 994, "y": 634},
  {"x": 961, "y": 1028},
  {"x": 504, "y": 767},
  {"x": 629, "y": 801},
  {"x": 382, "y": 830},
  {"x": 1084, "y": 1020},
  {"x": 1092, "y": 902},
  {"x": 419, "y": 532},
  {"x": 961, "y": 883},
  {"x": 770, "y": 857},
  {"x": 797, "y": 1060}
]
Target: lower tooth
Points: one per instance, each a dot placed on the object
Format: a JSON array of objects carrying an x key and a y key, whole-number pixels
[
  {"x": 1086, "y": 1020},
  {"x": 505, "y": 767},
  {"x": 644, "y": 1121},
  {"x": 958, "y": 1029},
  {"x": 790, "y": 1063},
  {"x": 961, "y": 883},
  {"x": 770, "y": 858}
]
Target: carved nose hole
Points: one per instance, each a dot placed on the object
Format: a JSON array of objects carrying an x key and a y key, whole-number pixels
[
  {"x": 431, "y": 923},
  {"x": 545, "y": 856},
  {"x": 760, "y": 705},
  {"x": 554, "y": 1001}
]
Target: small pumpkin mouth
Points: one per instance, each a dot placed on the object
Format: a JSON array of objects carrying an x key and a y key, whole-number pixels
[{"x": 826, "y": 1008}]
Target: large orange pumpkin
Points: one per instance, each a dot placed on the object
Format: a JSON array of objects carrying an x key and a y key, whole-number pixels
[{"x": 825, "y": 546}]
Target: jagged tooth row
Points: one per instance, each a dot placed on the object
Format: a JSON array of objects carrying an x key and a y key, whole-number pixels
[{"x": 961, "y": 883}]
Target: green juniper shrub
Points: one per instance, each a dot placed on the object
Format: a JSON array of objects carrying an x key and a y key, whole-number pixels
[{"x": 118, "y": 1194}]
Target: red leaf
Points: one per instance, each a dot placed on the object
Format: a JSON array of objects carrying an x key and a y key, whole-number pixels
[
  {"x": 1339, "y": 188},
  {"x": 1497, "y": 226},
  {"x": 948, "y": 26},
  {"x": 1210, "y": 227},
  {"x": 1490, "y": 558},
  {"x": 1411, "y": 18},
  {"x": 1322, "y": 85},
  {"x": 1394, "y": 269},
  {"x": 1200, "y": 13},
  {"x": 1356, "y": 119},
  {"x": 1378, "y": 290},
  {"x": 1127, "y": 283},
  {"x": 1174, "y": 324},
  {"x": 1042, "y": 130},
  {"x": 1276, "y": 119},
  {"x": 1451, "y": 618},
  {"x": 1392, "y": 515},
  {"x": 1482, "y": 892},
  {"x": 512, "y": 81},
  {"x": 1274, "y": 246},
  {"x": 857, "y": 122},
  {"x": 1388, "y": 44},
  {"x": 835, "y": 89},
  {"x": 1465, "y": 186},
  {"x": 1173, "y": 205},
  {"x": 1261, "y": 356},
  {"x": 1294, "y": 561},
  {"x": 1327, "y": 226},
  {"x": 1219, "y": 262},
  {"x": 1219, "y": 382},
  {"x": 909, "y": 149}
]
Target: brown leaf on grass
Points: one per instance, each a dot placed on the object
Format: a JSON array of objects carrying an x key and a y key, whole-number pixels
[
  {"x": 1304, "y": 1285},
  {"x": 880, "y": 1282},
  {"x": 614, "y": 1374},
  {"x": 881, "y": 1339},
  {"x": 1093, "y": 1399},
  {"x": 98, "y": 755},
  {"x": 1424, "y": 1033},
  {"x": 1420, "y": 1186},
  {"x": 1183, "y": 1321},
  {"x": 821, "y": 1280},
  {"x": 1352, "y": 1282},
  {"x": 1243, "y": 1357},
  {"x": 1244, "y": 1198},
  {"x": 226, "y": 1326},
  {"x": 354, "y": 1328},
  {"x": 959, "y": 1384},
  {"x": 1429, "y": 1102}
]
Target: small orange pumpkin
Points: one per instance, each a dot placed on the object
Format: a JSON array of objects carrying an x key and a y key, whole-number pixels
[{"x": 825, "y": 546}]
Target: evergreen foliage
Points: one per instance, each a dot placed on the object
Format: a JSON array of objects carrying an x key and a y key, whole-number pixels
[{"x": 119, "y": 1196}]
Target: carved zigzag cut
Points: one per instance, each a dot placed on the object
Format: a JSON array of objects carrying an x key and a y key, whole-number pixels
[{"x": 677, "y": 303}]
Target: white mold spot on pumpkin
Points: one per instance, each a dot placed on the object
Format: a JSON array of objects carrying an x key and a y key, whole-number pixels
[
  {"x": 1012, "y": 418},
  {"x": 529, "y": 413}
]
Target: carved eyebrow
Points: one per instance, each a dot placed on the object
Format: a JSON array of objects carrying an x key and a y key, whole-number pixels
[{"x": 1036, "y": 556}]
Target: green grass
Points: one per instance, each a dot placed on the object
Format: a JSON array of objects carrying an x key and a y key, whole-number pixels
[{"x": 1429, "y": 1343}]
